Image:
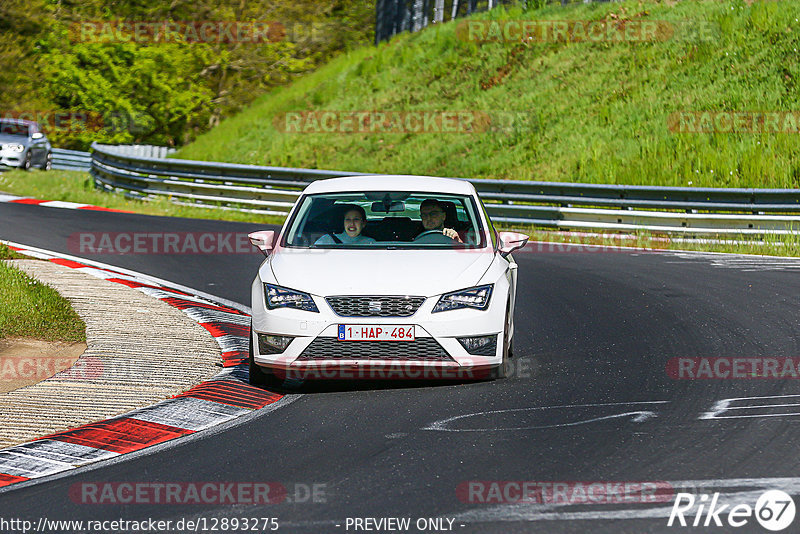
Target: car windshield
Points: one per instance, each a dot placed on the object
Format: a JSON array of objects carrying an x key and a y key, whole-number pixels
[
  {"x": 13, "y": 128},
  {"x": 386, "y": 219}
]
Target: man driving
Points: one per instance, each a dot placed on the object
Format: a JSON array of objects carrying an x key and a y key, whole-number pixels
[{"x": 433, "y": 217}]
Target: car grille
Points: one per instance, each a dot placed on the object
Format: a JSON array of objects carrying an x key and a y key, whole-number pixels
[
  {"x": 375, "y": 306},
  {"x": 424, "y": 349}
]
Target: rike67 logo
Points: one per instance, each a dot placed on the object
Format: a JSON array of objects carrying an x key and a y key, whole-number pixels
[{"x": 774, "y": 510}]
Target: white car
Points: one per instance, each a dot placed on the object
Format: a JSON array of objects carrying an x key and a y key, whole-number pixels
[{"x": 398, "y": 296}]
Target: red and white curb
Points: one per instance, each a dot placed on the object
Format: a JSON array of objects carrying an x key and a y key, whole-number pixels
[
  {"x": 13, "y": 199},
  {"x": 218, "y": 400}
]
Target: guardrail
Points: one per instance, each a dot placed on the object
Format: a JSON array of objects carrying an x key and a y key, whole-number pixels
[
  {"x": 141, "y": 151},
  {"x": 71, "y": 160},
  {"x": 75, "y": 160},
  {"x": 273, "y": 190}
]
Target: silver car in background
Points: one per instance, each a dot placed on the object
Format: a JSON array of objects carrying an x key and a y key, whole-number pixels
[{"x": 23, "y": 145}]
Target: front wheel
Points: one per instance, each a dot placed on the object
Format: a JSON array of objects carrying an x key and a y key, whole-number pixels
[
  {"x": 26, "y": 165},
  {"x": 504, "y": 369}
]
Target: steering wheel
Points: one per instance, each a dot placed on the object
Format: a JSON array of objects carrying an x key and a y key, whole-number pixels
[
  {"x": 434, "y": 236},
  {"x": 429, "y": 232}
]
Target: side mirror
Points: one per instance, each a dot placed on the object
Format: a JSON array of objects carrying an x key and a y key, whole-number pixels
[
  {"x": 262, "y": 240},
  {"x": 508, "y": 242},
  {"x": 37, "y": 135}
]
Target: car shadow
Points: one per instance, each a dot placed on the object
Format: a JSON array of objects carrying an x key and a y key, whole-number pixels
[
  {"x": 298, "y": 386},
  {"x": 335, "y": 386}
]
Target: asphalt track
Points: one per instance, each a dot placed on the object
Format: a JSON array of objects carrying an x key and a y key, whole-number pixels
[{"x": 590, "y": 400}]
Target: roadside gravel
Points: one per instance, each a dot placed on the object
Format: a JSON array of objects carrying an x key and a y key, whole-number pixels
[{"x": 140, "y": 350}]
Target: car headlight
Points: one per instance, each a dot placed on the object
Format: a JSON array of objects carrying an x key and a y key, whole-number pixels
[
  {"x": 473, "y": 297},
  {"x": 281, "y": 297},
  {"x": 15, "y": 147}
]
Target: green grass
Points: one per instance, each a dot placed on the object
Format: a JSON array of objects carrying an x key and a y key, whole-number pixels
[
  {"x": 8, "y": 254},
  {"x": 33, "y": 310},
  {"x": 72, "y": 186},
  {"x": 576, "y": 112}
]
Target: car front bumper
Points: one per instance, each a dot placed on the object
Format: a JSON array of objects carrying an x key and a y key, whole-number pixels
[
  {"x": 11, "y": 159},
  {"x": 436, "y": 352}
]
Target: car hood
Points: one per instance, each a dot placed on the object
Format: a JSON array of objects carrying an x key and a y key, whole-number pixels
[
  {"x": 16, "y": 139},
  {"x": 378, "y": 272}
]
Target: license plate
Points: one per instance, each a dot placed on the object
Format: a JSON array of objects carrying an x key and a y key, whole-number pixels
[{"x": 367, "y": 332}]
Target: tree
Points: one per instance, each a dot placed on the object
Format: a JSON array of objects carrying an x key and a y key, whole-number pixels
[{"x": 163, "y": 91}]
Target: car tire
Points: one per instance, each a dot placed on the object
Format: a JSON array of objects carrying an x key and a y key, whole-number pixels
[
  {"x": 258, "y": 376},
  {"x": 48, "y": 162},
  {"x": 504, "y": 369},
  {"x": 26, "y": 164}
]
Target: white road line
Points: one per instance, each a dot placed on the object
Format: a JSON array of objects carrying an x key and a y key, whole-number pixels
[
  {"x": 141, "y": 277},
  {"x": 745, "y": 263},
  {"x": 637, "y": 416},
  {"x": 62, "y": 204},
  {"x": 727, "y": 405}
]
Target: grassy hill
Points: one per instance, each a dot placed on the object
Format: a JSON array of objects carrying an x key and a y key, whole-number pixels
[{"x": 579, "y": 111}]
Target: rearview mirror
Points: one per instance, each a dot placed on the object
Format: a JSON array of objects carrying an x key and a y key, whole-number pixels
[
  {"x": 37, "y": 135},
  {"x": 388, "y": 206},
  {"x": 262, "y": 240},
  {"x": 510, "y": 241}
]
